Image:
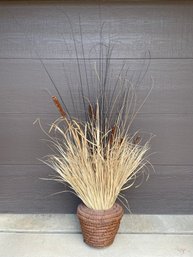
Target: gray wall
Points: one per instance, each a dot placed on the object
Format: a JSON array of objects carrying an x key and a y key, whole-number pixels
[{"x": 166, "y": 30}]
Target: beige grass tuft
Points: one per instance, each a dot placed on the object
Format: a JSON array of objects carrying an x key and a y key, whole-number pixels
[{"x": 96, "y": 165}]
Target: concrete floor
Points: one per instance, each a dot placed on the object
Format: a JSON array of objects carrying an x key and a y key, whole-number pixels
[{"x": 59, "y": 235}]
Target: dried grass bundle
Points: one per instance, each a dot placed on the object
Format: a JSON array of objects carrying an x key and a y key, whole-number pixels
[{"x": 96, "y": 164}]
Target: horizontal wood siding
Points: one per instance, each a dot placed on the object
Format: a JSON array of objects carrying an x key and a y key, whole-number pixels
[
  {"x": 29, "y": 31},
  {"x": 21, "y": 140},
  {"x": 23, "y": 84},
  {"x": 165, "y": 30},
  {"x": 22, "y": 191}
]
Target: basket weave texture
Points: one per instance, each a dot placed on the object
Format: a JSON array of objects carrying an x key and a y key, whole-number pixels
[{"x": 99, "y": 227}]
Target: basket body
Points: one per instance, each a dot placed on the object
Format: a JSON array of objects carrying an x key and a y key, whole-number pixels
[{"x": 99, "y": 228}]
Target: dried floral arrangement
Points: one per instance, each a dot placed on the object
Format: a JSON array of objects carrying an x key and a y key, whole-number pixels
[
  {"x": 94, "y": 152},
  {"x": 97, "y": 156}
]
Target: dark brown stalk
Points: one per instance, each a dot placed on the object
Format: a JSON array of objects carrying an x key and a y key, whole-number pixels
[
  {"x": 112, "y": 136},
  {"x": 90, "y": 112}
]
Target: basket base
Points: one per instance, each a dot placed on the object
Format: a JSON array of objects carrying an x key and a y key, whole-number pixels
[{"x": 99, "y": 228}]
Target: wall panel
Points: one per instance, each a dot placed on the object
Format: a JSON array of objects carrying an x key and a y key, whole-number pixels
[
  {"x": 163, "y": 29},
  {"x": 28, "y": 32}
]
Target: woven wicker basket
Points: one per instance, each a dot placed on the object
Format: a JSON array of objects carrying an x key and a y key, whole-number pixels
[{"x": 99, "y": 228}]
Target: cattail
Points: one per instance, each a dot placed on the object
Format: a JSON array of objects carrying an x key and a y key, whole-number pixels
[
  {"x": 90, "y": 111},
  {"x": 95, "y": 112},
  {"x": 136, "y": 140},
  {"x": 112, "y": 136},
  {"x": 58, "y": 105}
]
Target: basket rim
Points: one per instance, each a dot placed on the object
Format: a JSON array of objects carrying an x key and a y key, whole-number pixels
[{"x": 114, "y": 212}]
